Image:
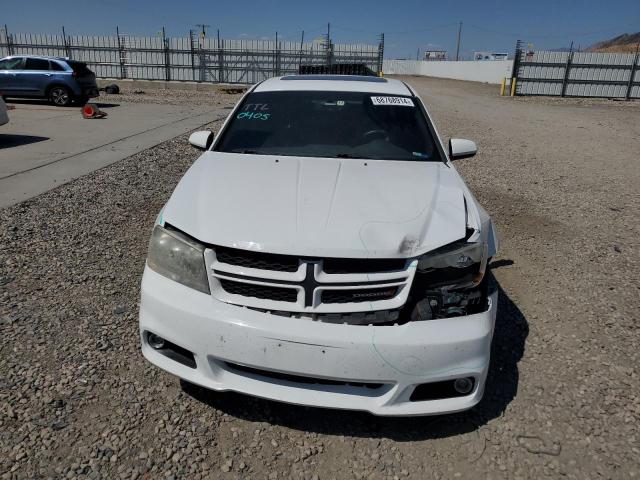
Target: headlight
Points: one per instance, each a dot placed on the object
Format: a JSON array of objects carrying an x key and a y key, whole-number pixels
[
  {"x": 456, "y": 255},
  {"x": 458, "y": 265},
  {"x": 179, "y": 258}
]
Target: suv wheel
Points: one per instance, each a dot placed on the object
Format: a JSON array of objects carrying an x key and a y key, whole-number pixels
[{"x": 60, "y": 96}]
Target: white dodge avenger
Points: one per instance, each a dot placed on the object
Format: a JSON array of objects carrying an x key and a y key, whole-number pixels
[{"x": 324, "y": 251}]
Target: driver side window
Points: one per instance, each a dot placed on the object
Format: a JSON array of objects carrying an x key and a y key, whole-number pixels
[{"x": 11, "y": 64}]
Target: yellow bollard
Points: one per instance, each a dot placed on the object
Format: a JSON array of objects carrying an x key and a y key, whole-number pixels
[
  {"x": 502, "y": 85},
  {"x": 513, "y": 86}
]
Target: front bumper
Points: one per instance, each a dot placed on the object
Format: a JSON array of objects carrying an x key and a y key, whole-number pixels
[{"x": 398, "y": 357}]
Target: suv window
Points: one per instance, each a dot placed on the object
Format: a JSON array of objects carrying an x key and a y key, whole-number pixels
[
  {"x": 330, "y": 124},
  {"x": 56, "y": 66},
  {"x": 36, "y": 64},
  {"x": 11, "y": 64}
]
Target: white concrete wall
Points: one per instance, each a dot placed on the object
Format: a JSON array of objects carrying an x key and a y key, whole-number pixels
[{"x": 488, "y": 72}]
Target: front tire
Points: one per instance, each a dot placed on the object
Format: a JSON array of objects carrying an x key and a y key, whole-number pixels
[{"x": 60, "y": 96}]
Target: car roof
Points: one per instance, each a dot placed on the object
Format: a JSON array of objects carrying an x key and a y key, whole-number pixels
[
  {"x": 44, "y": 57},
  {"x": 337, "y": 83}
]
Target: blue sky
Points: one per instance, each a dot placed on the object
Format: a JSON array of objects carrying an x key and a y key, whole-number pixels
[{"x": 408, "y": 24}]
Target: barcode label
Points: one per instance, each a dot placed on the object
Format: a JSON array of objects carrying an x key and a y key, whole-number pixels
[{"x": 398, "y": 101}]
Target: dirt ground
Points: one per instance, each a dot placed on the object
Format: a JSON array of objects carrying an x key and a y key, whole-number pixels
[{"x": 561, "y": 180}]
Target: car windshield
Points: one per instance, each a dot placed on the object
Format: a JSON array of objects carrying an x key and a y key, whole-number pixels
[{"x": 330, "y": 124}]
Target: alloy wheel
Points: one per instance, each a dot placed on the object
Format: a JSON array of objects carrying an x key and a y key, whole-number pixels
[{"x": 60, "y": 96}]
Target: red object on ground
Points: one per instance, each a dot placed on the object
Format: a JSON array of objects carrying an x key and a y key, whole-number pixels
[{"x": 92, "y": 111}]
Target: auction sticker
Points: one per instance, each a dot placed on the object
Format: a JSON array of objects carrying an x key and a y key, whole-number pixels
[{"x": 398, "y": 101}]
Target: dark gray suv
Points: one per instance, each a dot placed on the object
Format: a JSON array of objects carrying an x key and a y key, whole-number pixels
[{"x": 59, "y": 80}]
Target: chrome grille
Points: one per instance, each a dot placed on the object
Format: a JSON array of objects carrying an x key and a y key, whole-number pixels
[{"x": 317, "y": 285}]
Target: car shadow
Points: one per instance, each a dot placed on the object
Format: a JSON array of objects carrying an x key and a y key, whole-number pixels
[
  {"x": 105, "y": 105},
  {"x": 507, "y": 349},
  {"x": 10, "y": 140},
  {"x": 45, "y": 102}
]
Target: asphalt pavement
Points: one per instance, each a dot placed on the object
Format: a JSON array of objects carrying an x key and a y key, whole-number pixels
[{"x": 44, "y": 146}]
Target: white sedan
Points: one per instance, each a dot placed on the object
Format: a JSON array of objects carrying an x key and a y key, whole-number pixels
[{"x": 324, "y": 251}]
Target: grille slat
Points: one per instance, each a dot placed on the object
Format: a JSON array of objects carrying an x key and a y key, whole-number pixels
[
  {"x": 266, "y": 292},
  {"x": 290, "y": 263},
  {"x": 334, "y": 266},
  {"x": 257, "y": 260}
]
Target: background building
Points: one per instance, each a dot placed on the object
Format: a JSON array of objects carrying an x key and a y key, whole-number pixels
[
  {"x": 435, "y": 55},
  {"x": 489, "y": 56}
]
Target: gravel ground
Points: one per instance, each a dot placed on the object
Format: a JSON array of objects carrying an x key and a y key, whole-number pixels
[
  {"x": 131, "y": 94},
  {"x": 77, "y": 400}
]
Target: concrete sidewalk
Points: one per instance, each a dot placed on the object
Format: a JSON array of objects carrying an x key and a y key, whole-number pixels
[{"x": 44, "y": 146}]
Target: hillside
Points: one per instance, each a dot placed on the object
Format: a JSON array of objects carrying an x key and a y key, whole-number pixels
[{"x": 625, "y": 43}]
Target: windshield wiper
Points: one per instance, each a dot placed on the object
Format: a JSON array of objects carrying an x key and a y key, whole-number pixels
[
  {"x": 348, "y": 155},
  {"x": 251, "y": 152}
]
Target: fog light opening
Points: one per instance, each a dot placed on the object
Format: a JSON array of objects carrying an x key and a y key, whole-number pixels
[
  {"x": 155, "y": 341},
  {"x": 463, "y": 385}
]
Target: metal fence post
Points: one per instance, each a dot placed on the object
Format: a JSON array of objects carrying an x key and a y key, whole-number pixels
[
  {"x": 220, "y": 59},
  {"x": 123, "y": 73},
  {"x": 193, "y": 56},
  {"x": 301, "y": 47},
  {"x": 380, "y": 53},
  {"x": 9, "y": 40},
  {"x": 567, "y": 70},
  {"x": 201, "y": 60},
  {"x": 167, "y": 58},
  {"x": 634, "y": 69},
  {"x": 516, "y": 60},
  {"x": 67, "y": 47}
]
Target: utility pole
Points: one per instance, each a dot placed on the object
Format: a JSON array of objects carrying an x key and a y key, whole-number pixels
[
  {"x": 203, "y": 28},
  {"x": 458, "y": 45}
]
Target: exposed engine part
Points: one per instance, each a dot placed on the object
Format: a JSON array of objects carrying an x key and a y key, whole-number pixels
[
  {"x": 437, "y": 303},
  {"x": 422, "y": 311}
]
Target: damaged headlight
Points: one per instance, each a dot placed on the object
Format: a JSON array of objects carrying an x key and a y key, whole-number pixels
[
  {"x": 448, "y": 282},
  {"x": 457, "y": 265},
  {"x": 178, "y": 257}
]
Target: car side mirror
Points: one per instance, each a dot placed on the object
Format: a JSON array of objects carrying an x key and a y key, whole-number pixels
[
  {"x": 461, "y": 148},
  {"x": 202, "y": 139}
]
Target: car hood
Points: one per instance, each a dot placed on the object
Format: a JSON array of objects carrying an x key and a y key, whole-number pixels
[{"x": 319, "y": 207}]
